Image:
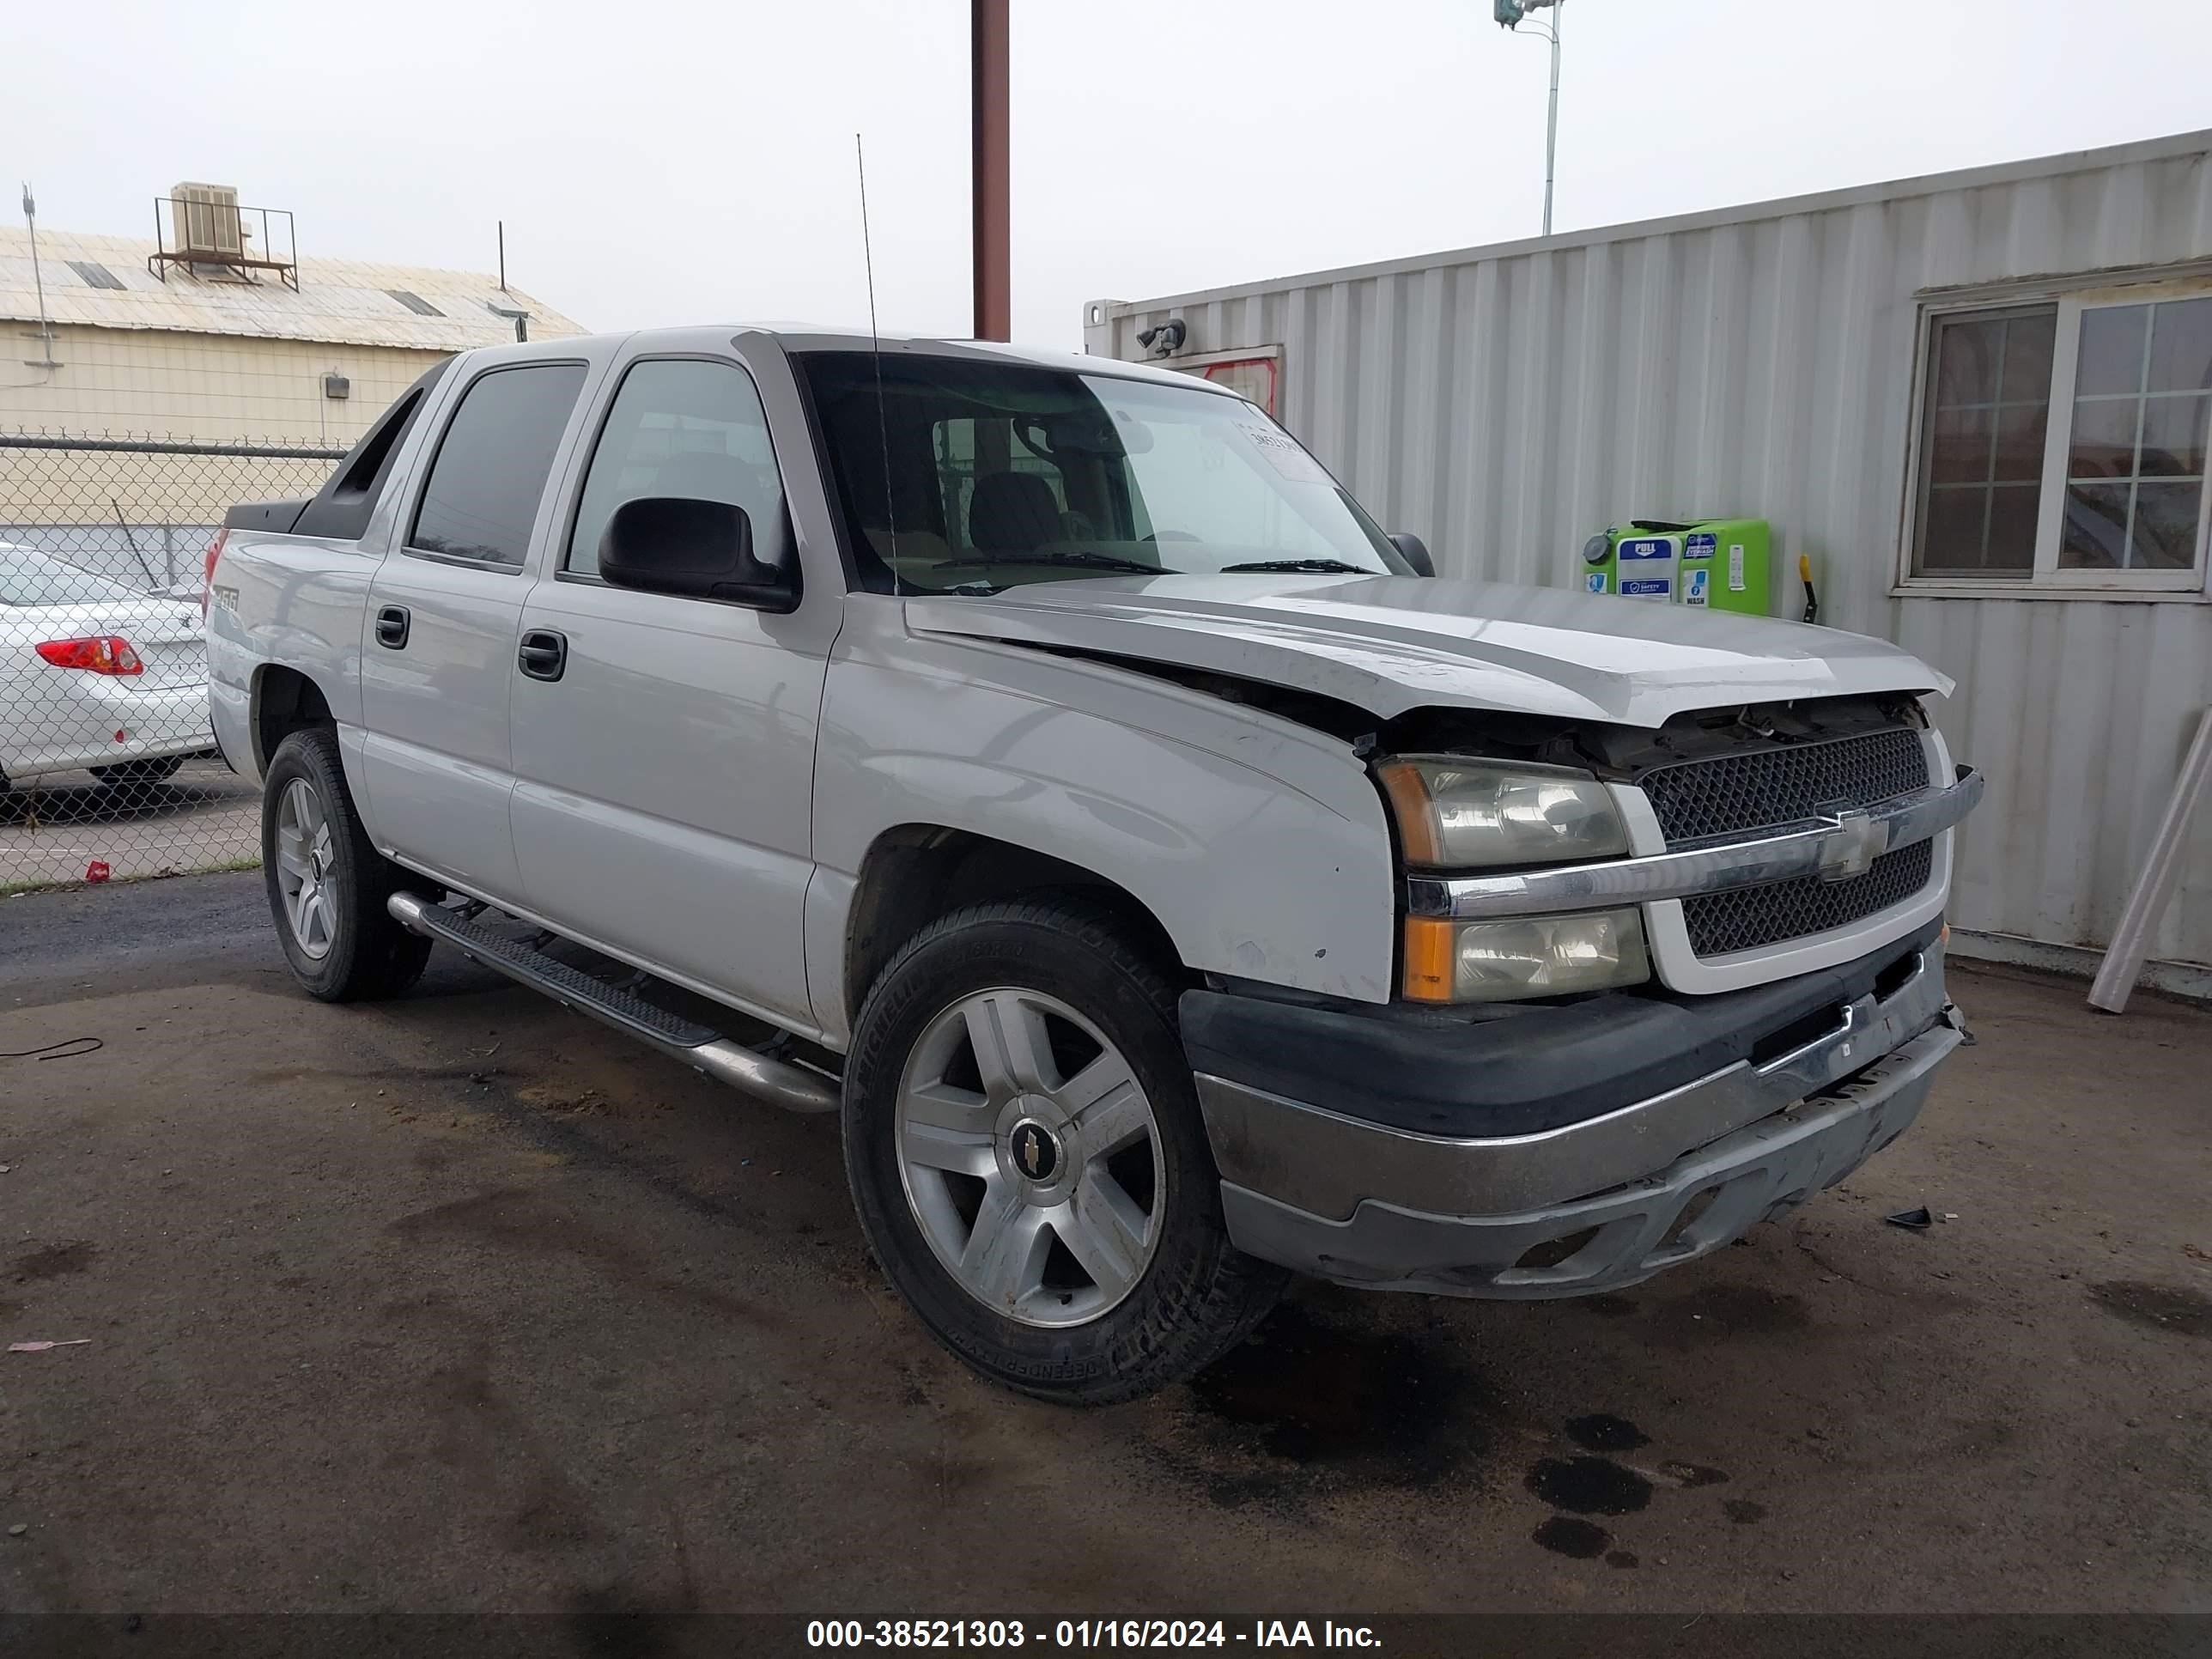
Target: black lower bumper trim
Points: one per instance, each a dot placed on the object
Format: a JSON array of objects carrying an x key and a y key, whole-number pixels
[{"x": 1521, "y": 1072}]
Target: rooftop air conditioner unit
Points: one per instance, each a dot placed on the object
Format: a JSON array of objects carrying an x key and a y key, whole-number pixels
[{"x": 205, "y": 217}]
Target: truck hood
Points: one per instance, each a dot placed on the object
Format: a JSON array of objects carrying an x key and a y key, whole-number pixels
[{"x": 1389, "y": 644}]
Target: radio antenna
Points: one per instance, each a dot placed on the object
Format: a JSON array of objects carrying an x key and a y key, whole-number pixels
[{"x": 875, "y": 347}]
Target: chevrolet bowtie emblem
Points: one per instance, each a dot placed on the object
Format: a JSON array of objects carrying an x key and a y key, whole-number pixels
[
  {"x": 1851, "y": 849},
  {"x": 1030, "y": 1149}
]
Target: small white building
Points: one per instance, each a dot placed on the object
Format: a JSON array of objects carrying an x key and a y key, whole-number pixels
[{"x": 1978, "y": 401}]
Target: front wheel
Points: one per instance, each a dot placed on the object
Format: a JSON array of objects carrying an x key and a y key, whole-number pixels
[
  {"x": 327, "y": 883},
  {"x": 1026, "y": 1152}
]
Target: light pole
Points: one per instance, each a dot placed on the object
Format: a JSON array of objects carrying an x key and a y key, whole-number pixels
[{"x": 1511, "y": 14}]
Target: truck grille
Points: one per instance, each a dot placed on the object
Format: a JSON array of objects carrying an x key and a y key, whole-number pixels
[
  {"x": 1750, "y": 917},
  {"x": 1732, "y": 794},
  {"x": 1742, "y": 795}
]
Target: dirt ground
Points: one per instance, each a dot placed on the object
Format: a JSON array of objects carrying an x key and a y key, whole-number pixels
[{"x": 464, "y": 1302}]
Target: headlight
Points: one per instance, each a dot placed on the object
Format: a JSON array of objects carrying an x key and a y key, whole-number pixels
[
  {"x": 1459, "y": 814},
  {"x": 1527, "y": 957}
]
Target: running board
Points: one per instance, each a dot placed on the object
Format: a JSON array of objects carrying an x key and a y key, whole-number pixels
[{"x": 792, "y": 1087}]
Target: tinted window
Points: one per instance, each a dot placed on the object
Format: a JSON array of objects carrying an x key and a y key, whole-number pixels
[
  {"x": 492, "y": 463},
  {"x": 688, "y": 428}
]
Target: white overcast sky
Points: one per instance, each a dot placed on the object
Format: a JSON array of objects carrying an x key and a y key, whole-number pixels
[{"x": 673, "y": 161}]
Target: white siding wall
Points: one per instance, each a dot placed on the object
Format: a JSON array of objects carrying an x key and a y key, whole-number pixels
[{"x": 1504, "y": 404}]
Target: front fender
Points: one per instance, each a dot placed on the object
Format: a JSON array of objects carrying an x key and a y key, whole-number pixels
[{"x": 1260, "y": 847}]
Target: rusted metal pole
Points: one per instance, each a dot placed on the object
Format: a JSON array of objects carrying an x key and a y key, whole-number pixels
[{"x": 994, "y": 305}]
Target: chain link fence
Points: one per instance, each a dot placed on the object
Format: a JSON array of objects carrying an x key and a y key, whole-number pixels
[{"x": 107, "y": 766}]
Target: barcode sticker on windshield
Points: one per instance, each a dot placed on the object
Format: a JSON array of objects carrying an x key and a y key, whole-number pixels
[{"x": 1285, "y": 455}]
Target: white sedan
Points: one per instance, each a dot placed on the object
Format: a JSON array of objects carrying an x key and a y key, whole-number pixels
[{"x": 94, "y": 676}]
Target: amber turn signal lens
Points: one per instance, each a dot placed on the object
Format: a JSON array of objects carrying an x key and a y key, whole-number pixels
[
  {"x": 1409, "y": 800},
  {"x": 1428, "y": 959}
]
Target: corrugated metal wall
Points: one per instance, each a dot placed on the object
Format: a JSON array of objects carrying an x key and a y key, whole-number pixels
[{"x": 1506, "y": 402}]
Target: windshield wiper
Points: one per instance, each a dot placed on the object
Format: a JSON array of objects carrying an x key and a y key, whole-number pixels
[
  {"x": 1318, "y": 566},
  {"x": 1086, "y": 558}
]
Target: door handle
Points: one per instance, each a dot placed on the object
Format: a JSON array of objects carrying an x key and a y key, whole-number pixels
[
  {"x": 392, "y": 627},
  {"x": 543, "y": 654}
]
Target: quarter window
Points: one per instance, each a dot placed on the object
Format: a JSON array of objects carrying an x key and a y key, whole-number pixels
[
  {"x": 687, "y": 428},
  {"x": 497, "y": 452},
  {"x": 2063, "y": 444}
]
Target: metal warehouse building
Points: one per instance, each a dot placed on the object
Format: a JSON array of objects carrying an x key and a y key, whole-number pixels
[{"x": 1978, "y": 400}]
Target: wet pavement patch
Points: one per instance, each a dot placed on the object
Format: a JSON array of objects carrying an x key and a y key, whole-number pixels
[
  {"x": 1743, "y": 1511},
  {"x": 1563, "y": 1534},
  {"x": 2161, "y": 1306},
  {"x": 1306, "y": 1399},
  {"x": 1621, "y": 1558},
  {"x": 53, "y": 1261},
  {"x": 1589, "y": 1486},
  {"x": 1601, "y": 1431}
]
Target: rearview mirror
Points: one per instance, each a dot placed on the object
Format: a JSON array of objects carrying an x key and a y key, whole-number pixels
[
  {"x": 702, "y": 550},
  {"x": 1414, "y": 551}
]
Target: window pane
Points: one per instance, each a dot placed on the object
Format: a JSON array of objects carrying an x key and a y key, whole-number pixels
[
  {"x": 1952, "y": 535},
  {"x": 2094, "y": 534},
  {"x": 1989, "y": 414},
  {"x": 2013, "y": 509},
  {"x": 493, "y": 462},
  {"x": 2165, "y": 525},
  {"x": 2181, "y": 347},
  {"x": 1960, "y": 450},
  {"x": 685, "y": 428},
  {"x": 2028, "y": 357},
  {"x": 2173, "y": 436},
  {"x": 2104, "y": 444},
  {"x": 2019, "y": 454},
  {"x": 2111, "y": 350},
  {"x": 1966, "y": 363}
]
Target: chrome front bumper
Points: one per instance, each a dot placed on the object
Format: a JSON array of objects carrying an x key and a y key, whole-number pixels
[{"x": 1654, "y": 1183}]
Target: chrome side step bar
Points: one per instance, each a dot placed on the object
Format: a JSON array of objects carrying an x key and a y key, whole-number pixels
[{"x": 792, "y": 1087}]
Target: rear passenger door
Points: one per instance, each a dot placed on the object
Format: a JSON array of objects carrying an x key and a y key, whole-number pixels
[
  {"x": 438, "y": 658},
  {"x": 665, "y": 776}
]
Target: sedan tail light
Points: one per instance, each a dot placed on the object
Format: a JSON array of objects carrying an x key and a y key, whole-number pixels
[
  {"x": 207, "y": 577},
  {"x": 107, "y": 653}
]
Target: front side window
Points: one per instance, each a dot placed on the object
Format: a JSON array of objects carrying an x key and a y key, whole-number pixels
[
  {"x": 1001, "y": 474},
  {"x": 2063, "y": 444},
  {"x": 497, "y": 451},
  {"x": 687, "y": 428}
]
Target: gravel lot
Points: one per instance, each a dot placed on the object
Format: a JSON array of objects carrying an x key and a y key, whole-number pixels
[{"x": 463, "y": 1303}]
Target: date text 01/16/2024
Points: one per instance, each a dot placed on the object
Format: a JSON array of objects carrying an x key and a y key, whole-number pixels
[{"x": 1083, "y": 1633}]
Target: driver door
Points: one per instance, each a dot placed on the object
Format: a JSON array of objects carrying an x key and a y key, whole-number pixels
[{"x": 664, "y": 773}]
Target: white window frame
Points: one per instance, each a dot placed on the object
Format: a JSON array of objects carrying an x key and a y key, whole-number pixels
[{"x": 2047, "y": 580}]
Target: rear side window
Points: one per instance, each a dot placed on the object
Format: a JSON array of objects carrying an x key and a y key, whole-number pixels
[{"x": 493, "y": 462}]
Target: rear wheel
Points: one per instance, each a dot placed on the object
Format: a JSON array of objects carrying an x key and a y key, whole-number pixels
[
  {"x": 328, "y": 885},
  {"x": 1026, "y": 1152},
  {"x": 139, "y": 771}
]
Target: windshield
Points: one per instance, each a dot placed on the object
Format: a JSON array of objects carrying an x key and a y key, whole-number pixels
[
  {"x": 28, "y": 578},
  {"x": 1005, "y": 473}
]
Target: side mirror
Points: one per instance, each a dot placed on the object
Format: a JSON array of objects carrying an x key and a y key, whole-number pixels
[
  {"x": 702, "y": 549},
  {"x": 1414, "y": 551}
]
